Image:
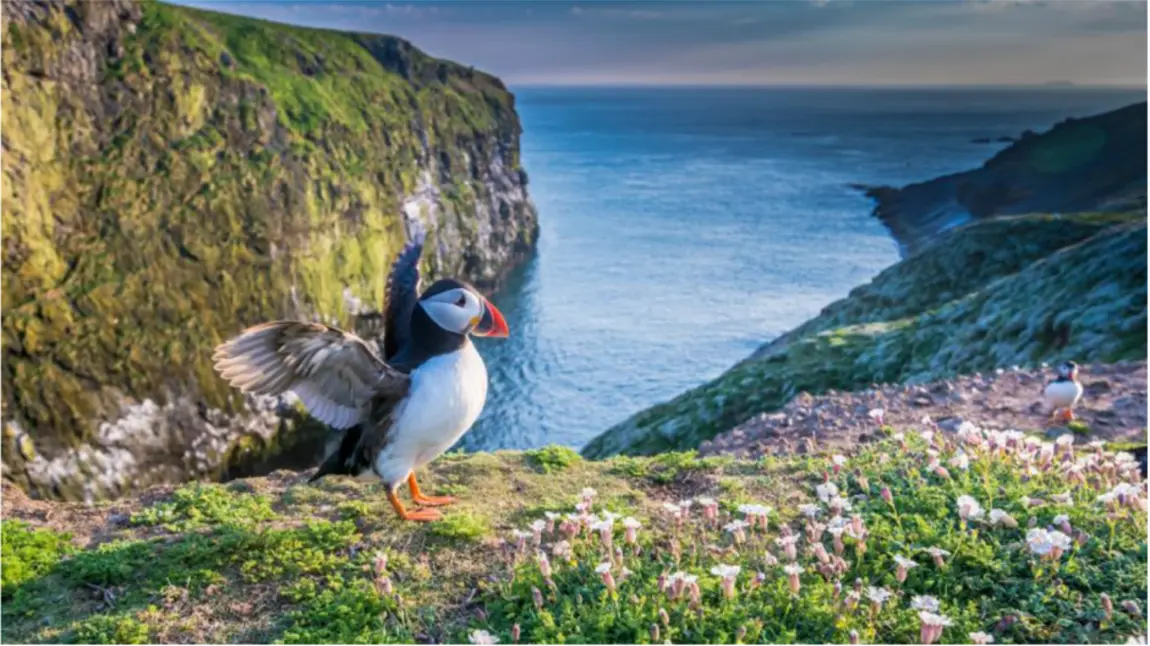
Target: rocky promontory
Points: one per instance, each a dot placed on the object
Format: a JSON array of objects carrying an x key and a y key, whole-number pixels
[
  {"x": 173, "y": 175},
  {"x": 1096, "y": 163},
  {"x": 995, "y": 293}
]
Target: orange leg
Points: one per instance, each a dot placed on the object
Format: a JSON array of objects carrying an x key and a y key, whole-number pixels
[
  {"x": 422, "y": 515},
  {"x": 418, "y": 498},
  {"x": 1067, "y": 414}
]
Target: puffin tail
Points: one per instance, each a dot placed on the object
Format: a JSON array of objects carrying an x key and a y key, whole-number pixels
[{"x": 346, "y": 459}]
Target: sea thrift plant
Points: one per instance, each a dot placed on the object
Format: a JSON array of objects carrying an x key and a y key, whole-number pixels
[{"x": 836, "y": 566}]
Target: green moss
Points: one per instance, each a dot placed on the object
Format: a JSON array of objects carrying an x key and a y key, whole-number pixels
[
  {"x": 551, "y": 458},
  {"x": 461, "y": 526},
  {"x": 109, "y": 629},
  {"x": 29, "y": 553},
  {"x": 206, "y": 504}
]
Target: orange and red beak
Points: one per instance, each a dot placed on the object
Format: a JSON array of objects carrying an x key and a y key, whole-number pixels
[{"x": 491, "y": 323}]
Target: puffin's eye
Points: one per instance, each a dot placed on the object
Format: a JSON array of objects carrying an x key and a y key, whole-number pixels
[{"x": 462, "y": 301}]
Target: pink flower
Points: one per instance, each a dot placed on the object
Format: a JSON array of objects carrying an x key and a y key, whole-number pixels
[
  {"x": 728, "y": 574},
  {"x": 537, "y": 597},
  {"x": 544, "y": 565},
  {"x": 604, "y": 570},
  {"x": 631, "y": 529},
  {"x": 938, "y": 555},
  {"x": 886, "y": 496},
  {"x": 1107, "y": 605},
  {"x": 903, "y": 566},
  {"x": 854, "y": 636},
  {"x": 515, "y": 634},
  {"x": 793, "y": 571},
  {"x": 820, "y": 553},
  {"x": 710, "y": 510},
  {"x": 932, "y": 625},
  {"x": 379, "y": 563},
  {"x": 788, "y": 545}
]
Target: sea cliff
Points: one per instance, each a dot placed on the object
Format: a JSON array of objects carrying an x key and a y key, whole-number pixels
[
  {"x": 173, "y": 175},
  {"x": 1096, "y": 163}
]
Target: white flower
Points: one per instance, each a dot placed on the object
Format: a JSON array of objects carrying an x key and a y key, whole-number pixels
[
  {"x": 705, "y": 502},
  {"x": 1059, "y": 540},
  {"x": 877, "y": 595},
  {"x": 726, "y": 571},
  {"x": 519, "y": 534},
  {"x": 904, "y": 562},
  {"x": 602, "y": 525},
  {"x": 588, "y": 492},
  {"x": 810, "y": 511},
  {"x": 672, "y": 508},
  {"x": 603, "y": 567},
  {"x": 997, "y": 516},
  {"x": 1136, "y": 639},
  {"x": 827, "y": 491},
  {"x": 968, "y": 508},
  {"x": 937, "y": 551},
  {"x": 839, "y": 503},
  {"x": 1039, "y": 541},
  {"x": 1064, "y": 440},
  {"x": 839, "y": 460},
  {"x": 631, "y": 523},
  {"x": 875, "y": 414},
  {"x": 981, "y": 638},
  {"x": 1063, "y": 498},
  {"x": 755, "y": 510},
  {"x": 610, "y": 516},
  {"x": 792, "y": 569},
  {"x": 1061, "y": 518},
  {"x": 685, "y": 504},
  {"x": 539, "y": 525},
  {"x": 736, "y": 527},
  {"x": 924, "y": 602},
  {"x": 927, "y": 435},
  {"x": 482, "y": 637},
  {"x": 932, "y": 619},
  {"x": 960, "y": 461}
]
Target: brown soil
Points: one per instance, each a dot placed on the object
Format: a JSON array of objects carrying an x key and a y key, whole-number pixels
[{"x": 1113, "y": 408}]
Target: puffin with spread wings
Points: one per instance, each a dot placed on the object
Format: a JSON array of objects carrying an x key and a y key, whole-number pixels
[{"x": 398, "y": 412}]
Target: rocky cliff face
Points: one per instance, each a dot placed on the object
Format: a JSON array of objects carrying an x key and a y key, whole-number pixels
[
  {"x": 1093, "y": 164},
  {"x": 173, "y": 175}
]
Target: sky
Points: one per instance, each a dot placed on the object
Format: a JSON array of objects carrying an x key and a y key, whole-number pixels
[{"x": 777, "y": 42}]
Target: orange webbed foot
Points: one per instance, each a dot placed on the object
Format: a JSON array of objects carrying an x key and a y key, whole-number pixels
[
  {"x": 431, "y": 501},
  {"x": 419, "y": 515}
]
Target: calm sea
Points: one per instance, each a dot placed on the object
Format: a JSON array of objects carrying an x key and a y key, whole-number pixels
[{"x": 683, "y": 228}]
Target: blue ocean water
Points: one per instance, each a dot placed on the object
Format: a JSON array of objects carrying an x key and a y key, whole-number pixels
[{"x": 682, "y": 228}]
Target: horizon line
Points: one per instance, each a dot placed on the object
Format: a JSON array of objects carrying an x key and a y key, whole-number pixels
[{"x": 1052, "y": 86}]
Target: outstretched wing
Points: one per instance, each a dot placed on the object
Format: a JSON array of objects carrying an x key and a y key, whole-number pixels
[
  {"x": 334, "y": 373},
  {"x": 402, "y": 295}
]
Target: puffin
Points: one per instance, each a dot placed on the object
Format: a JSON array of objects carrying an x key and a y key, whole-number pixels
[
  {"x": 1063, "y": 393},
  {"x": 398, "y": 411}
]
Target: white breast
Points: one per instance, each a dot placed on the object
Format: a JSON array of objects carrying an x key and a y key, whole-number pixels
[
  {"x": 1063, "y": 394},
  {"x": 447, "y": 394}
]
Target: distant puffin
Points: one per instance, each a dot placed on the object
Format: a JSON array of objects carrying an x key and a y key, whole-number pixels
[
  {"x": 401, "y": 411},
  {"x": 1063, "y": 393}
]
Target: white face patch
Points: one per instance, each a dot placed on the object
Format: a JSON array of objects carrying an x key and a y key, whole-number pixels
[{"x": 456, "y": 310}]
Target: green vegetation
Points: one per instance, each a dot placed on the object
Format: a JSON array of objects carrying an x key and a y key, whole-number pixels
[
  {"x": 305, "y": 574},
  {"x": 1001, "y": 292},
  {"x": 29, "y": 553},
  {"x": 172, "y": 175},
  {"x": 552, "y": 458}
]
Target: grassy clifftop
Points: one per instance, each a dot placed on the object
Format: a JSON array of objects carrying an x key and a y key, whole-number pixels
[
  {"x": 975, "y": 532},
  {"x": 172, "y": 175},
  {"x": 1001, "y": 292}
]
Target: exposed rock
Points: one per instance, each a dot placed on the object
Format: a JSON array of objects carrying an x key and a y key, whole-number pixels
[
  {"x": 170, "y": 176},
  {"x": 1013, "y": 400}
]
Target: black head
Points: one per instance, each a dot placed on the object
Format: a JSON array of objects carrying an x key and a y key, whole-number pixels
[
  {"x": 1068, "y": 370},
  {"x": 449, "y": 311}
]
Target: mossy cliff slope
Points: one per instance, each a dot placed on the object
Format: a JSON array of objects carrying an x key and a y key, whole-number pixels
[
  {"x": 999, "y": 292},
  {"x": 173, "y": 175},
  {"x": 1096, "y": 163}
]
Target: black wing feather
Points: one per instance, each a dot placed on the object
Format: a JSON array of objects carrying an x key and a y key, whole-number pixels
[{"x": 402, "y": 295}]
